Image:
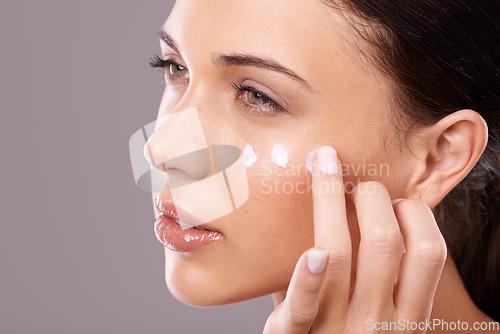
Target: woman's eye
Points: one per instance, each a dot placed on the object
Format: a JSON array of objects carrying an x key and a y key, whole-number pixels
[
  {"x": 257, "y": 98},
  {"x": 177, "y": 70},
  {"x": 171, "y": 68}
]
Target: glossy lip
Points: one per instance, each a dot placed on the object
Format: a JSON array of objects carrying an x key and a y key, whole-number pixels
[
  {"x": 172, "y": 236},
  {"x": 168, "y": 209}
]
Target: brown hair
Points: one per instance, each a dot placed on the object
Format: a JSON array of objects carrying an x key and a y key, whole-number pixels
[{"x": 444, "y": 56}]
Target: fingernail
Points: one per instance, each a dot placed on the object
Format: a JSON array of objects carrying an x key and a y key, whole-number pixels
[
  {"x": 327, "y": 160},
  {"x": 316, "y": 260},
  {"x": 397, "y": 200}
]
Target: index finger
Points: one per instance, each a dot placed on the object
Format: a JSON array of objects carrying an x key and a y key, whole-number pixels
[
  {"x": 330, "y": 218},
  {"x": 331, "y": 232}
]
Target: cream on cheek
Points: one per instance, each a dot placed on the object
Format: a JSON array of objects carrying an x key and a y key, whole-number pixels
[
  {"x": 249, "y": 156},
  {"x": 279, "y": 169},
  {"x": 280, "y": 155}
]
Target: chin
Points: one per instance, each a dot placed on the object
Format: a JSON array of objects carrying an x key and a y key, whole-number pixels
[
  {"x": 205, "y": 294},
  {"x": 197, "y": 286},
  {"x": 197, "y": 296},
  {"x": 200, "y": 287}
]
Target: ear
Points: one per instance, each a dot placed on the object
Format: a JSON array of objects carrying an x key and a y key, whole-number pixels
[{"x": 446, "y": 153}]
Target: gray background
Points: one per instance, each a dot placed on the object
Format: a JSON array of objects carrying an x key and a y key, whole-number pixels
[{"x": 77, "y": 248}]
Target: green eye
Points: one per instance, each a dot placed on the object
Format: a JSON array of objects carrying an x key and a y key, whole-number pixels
[
  {"x": 256, "y": 98},
  {"x": 177, "y": 70}
]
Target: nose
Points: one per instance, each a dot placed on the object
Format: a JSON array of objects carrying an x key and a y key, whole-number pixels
[
  {"x": 178, "y": 147},
  {"x": 207, "y": 182}
]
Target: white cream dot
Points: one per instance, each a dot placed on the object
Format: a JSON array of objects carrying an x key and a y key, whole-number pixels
[
  {"x": 280, "y": 155},
  {"x": 249, "y": 156}
]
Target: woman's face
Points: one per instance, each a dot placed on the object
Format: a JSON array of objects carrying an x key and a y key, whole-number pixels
[{"x": 318, "y": 91}]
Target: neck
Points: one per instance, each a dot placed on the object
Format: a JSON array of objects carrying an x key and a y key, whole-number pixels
[{"x": 453, "y": 303}]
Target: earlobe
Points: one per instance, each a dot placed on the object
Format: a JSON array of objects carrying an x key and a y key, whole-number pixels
[{"x": 451, "y": 149}]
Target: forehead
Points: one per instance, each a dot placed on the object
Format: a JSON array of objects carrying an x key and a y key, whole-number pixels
[{"x": 305, "y": 34}]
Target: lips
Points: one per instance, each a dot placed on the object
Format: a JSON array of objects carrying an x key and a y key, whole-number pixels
[
  {"x": 169, "y": 232},
  {"x": 172, "y": 236}
]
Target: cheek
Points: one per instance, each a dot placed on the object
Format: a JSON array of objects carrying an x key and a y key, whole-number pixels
[
  {"x": 282, "y": 198},
  {"x": 276, "y": 222},
  {"x": 280, "y": 206},
  {"x": 264, "y": 239}
]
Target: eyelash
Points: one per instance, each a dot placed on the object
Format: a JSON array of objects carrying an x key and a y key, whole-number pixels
[
  {"x": 272, "y": 105},
  {"x": 157, "y": 62}
]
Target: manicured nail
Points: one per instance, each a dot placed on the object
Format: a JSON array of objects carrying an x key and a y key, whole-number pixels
[
  {"x": 327, "y": 160},
  {"x": 316, "y": 260},
  {"x": 397, "y": 200}
]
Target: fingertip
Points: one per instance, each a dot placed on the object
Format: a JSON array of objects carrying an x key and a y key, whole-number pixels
[
  {"x": 317, "y": 260},
  {"x": 328, "y": 160}
]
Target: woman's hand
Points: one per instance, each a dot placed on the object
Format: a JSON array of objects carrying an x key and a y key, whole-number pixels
[{"x": 388, "y": 287}]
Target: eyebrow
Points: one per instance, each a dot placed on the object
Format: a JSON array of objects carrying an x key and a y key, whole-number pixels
[
  {"x": 168, "y": 39},
  {"x": 238, "y": 59}
]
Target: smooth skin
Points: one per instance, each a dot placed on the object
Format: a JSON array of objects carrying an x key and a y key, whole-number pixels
[{"x": 342, "y": 101}]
